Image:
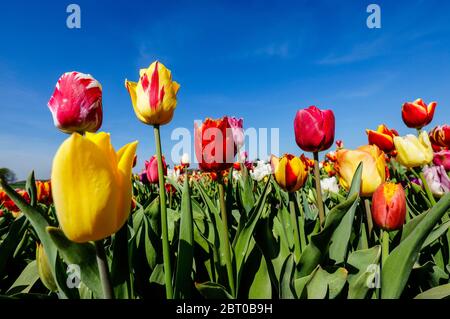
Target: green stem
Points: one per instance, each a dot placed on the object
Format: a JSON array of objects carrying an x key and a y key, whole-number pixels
[
  {"x": 164, "y": 227},
  {"x": 369, "y": 218},
  {"x": 302, "y": 227},
  {"x": 294, "y": 222},
  {"x": 427, "y": 189},
  {"x": 384, "y": 246},
  {"x": 226, "y": 239},
  {"x": 318, "y": 189},
  {"x": 103, "y": 270}
]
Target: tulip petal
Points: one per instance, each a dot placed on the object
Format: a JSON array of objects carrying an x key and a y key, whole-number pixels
[
  {"x": 84, "y": 189},
  {"x": 125, "y": 157}
]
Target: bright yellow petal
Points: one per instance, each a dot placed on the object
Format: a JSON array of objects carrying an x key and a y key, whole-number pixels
[
  {"x": 131, "y": 87},
  {"x": 125, "y": 157},
  {"x": 85, "y": 190}
]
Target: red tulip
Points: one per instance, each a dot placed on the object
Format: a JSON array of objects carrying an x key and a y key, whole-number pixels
[
  {"x": 76, "y": 103},
  {"x": 151, "y": 168},
  {"x": 7, "y": 202},
  {"x": 314, "y": 129},
  {"x": 215, "y": 143},
  {"x": 442, "y": 158},
  {"x": 440, "y": 136},
  {"x": 383, "y": 138},
  {"x": 417, "y": 114},
  {"x": 389, "y": 206}
]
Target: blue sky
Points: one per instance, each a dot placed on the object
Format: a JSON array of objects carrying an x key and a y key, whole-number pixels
[{"x": 260, "y": 60}]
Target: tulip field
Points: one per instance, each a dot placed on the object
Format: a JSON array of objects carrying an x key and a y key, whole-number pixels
[{"x": 328, "y": 222}]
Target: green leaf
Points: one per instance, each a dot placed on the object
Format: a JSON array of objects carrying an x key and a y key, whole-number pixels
[
  {"x": 363, "y": 267},
  {"x": 157, "y": 275},
  {"x": 287, "y": 275},
  {"x": 185, "y": 257},
  {"x": 436, "y": 233},
  {"x": 30, "y": 187},
  {"x": 323, "y": 283},
  {"x": 82, "y": 255},
  {"x": 341, "y": 236},
  {"x": 260, "y": 287},
  {"x": 39, "y": 224},
  {"x": 26, "y": 280},
  {"x": 398, "y": 265},
  {"x": 243, "y": 240},
  {"x": 318, "y": 245},
  {"x": 212, "y": 290},
  {"x": 120, "y": 270},
  {"x": 439, "y": 292},
  {"x": 9, "y": 244}
]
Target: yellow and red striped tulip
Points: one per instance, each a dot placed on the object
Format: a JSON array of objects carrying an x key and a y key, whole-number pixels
[
  {"x": 154, "y": 97},
  {"x": 290, "y": 171},
  {"x": 91, "y": 186},
  {"x": 374, "y": 167}
]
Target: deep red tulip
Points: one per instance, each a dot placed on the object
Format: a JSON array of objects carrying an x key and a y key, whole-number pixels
[
  {"x": 389, "y": 206},
  {"x": 76, "y": 103},
  {"x": 383, "y": 138},
  {"x": 440, "y": 136},
  {"x": 151, "y": 168},
  {"x": 417, "y": 114},
  {"x": 215, "y": 143},
  {"x": 314, "y": 129}
]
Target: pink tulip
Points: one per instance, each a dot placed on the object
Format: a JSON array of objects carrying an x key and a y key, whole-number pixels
[
  {"x": 151, "y": 167},
  {"x": 442, "y": 158},
  {"x": 76, "y": 103}
]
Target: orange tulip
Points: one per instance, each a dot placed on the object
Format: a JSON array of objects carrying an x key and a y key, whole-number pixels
[{"x": 389, "y": 206}]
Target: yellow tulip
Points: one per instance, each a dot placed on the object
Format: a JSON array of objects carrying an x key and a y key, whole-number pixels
[
  {"x": 413, "y": 151},
  {"x": 154, "y": 97},
  {"x": 91, "y": 186},
  {"x": 290, "y": 171},
  {"x": 43, "y": 266},
  {"x": 374, "y": 167}
]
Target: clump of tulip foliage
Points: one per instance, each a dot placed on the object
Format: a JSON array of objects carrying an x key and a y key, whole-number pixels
[{"x": 371, "y": 222}]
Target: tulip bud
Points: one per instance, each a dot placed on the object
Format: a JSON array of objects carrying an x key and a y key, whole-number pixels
[
  {"x": 314, "y": 129},
  {"x": 76, "y": 103},
  {"x": 215, "y": 144},
  {"x": 417, "y": 114},
  {"x": 44, "y": 271},
  {"x": 154, "y": 97},
  {"x": 413, "y": 151},
  {"x": 290, "y": 172},
  {"x": 440, "y": 136},
  {"x": 383, "y": 138},
  {"x": 442, "y": 158},
  {"x": 91, "y": 186},
  {"x": 44, "y": 192},
  {"x": 389, "y": 206},
  {"x": 151, "y": 168}
]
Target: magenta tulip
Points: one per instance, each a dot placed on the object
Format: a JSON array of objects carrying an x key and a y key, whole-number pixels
[{"x": 314, "y": 129}]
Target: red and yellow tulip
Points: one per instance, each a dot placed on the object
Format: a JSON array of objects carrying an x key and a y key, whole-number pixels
[
  {"x": 418, "y": 114},
  {"x": 389, "y": 206},
  {"x": 290, "y": 171},
  {"x": 383, "y": 137}
]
